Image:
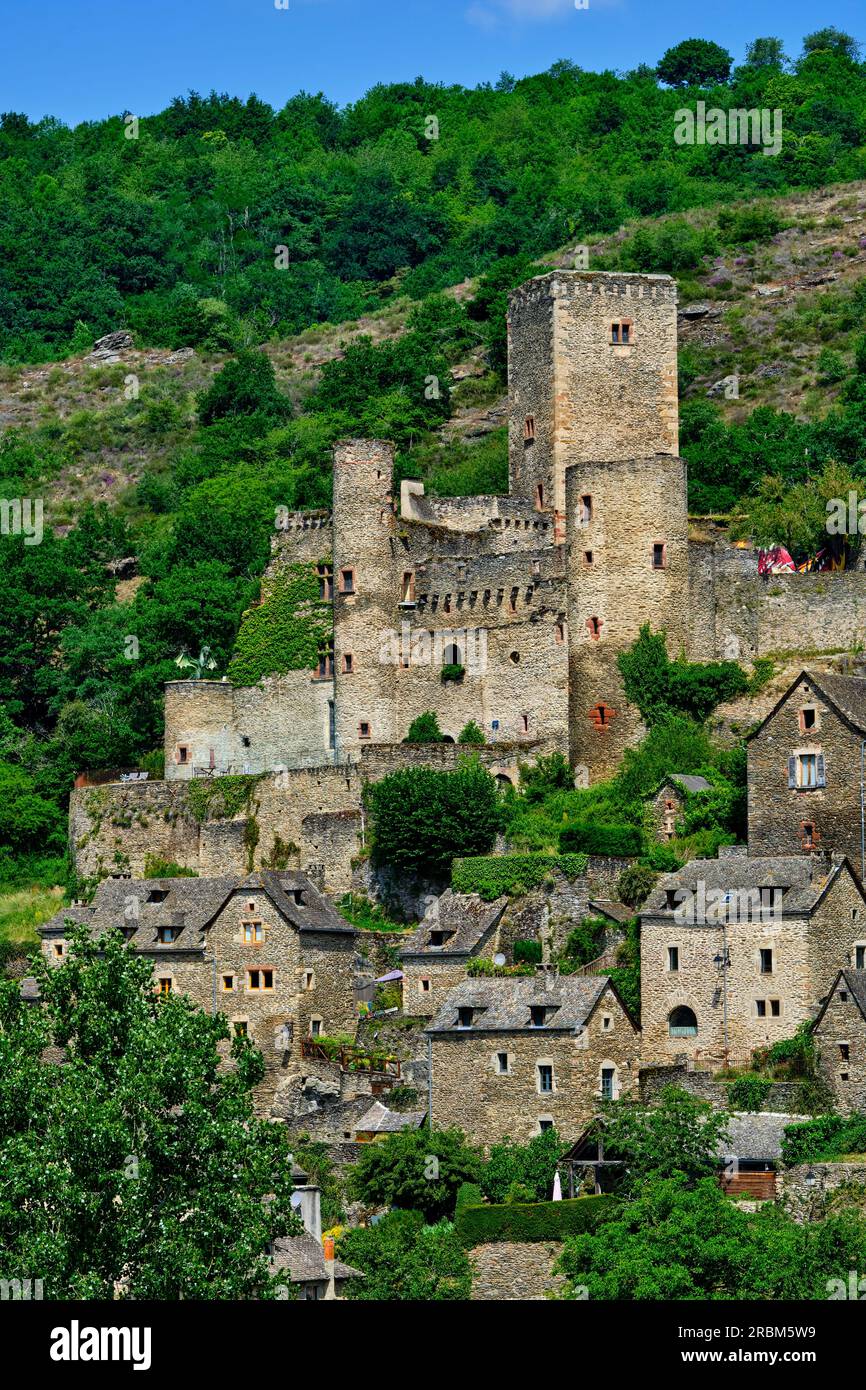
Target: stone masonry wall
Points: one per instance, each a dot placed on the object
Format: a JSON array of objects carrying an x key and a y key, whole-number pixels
[
  {"x": 470, "y": 1093},
  {"x": 509, "y": 1271},
  {"x": 842, "y": 1026}
]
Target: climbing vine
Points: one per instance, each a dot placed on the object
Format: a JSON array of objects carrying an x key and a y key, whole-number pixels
[
  {"x": 222, "y": 798},
  {"x": 286, "y": 632}
]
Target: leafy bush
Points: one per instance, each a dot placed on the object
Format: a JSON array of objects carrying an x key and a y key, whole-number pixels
[
  {"x": 592, "y": 837},
  {"x": 491, "y": 876},
  {"x": 749, "y": 1092},
  {"x": 661, "y": 687},
  {"x": 635, "y": 884},
  {"x": 422, "y": 819},
  {"x": 154, "y": 867},
  {"x": 395, "y": 1171},
  {"x": 507, "y": 1221},
  {"x": 527, "y": 951},
  {"x": 404, "y": 1260},
  {"x": 471, "y": 734},
  {"x": 425, "y": 729}
]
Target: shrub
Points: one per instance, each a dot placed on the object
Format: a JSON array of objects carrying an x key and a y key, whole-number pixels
[
  {"x": 531, "y": 1221},
  {"x": 471, "y": 734},
  {"x": 453, "y": 671},
  {"x": 527, "y": 951},
  {"x": 594, "y": 837},
  {"x": 635, "y": 884},
  {"x": 421, "y": 819},
  {"x": 425, "y": 729},
  {"x": 154, "y": 867},
  {"x": 493, "y": 875},
  {"x": 749, "y": 1092}
]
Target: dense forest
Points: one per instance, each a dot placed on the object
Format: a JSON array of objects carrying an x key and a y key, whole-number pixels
[{"x": 225, "y": 226}]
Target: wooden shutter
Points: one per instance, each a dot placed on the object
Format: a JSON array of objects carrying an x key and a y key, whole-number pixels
[
  {"x": 792, "y": 771},
  {"x": 821, "y": 780}
]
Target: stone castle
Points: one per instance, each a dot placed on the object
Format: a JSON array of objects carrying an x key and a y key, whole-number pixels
[{"x": 511, "y": 612}]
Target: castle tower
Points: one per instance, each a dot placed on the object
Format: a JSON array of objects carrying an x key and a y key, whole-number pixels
[
  {"x": 592, "y": 374},
  {"x": 365, "y": 595},
  {"x": 627, "y": 564}
]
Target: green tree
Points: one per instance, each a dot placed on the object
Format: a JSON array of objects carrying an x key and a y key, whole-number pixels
[
  {"x": 532, "y": 1165},
  {"x": 766, "y": 53},
  {"x": 694, "y": 63},
  {"x": 404, "y": 1260},
  {"x": 137, "y": 1169},
  {"x": 245, "y": 386},
  {"x": 832, "y": 40},
  {"x": 681, "y": 1135},
  {"x": 424, "y": 729},
  {"x": 677, "y": 1241},
  {"x": 422, "y": 819},
  {"x": 417, "y": 1170},
  {"x": 471, "y": 734}
]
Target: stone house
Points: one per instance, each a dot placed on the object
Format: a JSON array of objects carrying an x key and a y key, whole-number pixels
[
  {"x": 378, "y": 1122},
  {"x": 668, "y": 803},
  {"x": 736, "y": 952},
  {"x": 840, "y": 1036},
  {"x": 457, "y": 927},
  {"x": 515, "y": 1055},
  {"x": 805, "y": 772},
  {"x": 268, "y": 951}
]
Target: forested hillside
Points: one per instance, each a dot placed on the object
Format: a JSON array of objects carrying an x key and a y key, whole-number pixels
[{"x": 290, "y": 277}]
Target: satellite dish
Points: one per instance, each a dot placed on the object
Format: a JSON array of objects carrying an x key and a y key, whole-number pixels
[{"x": 499, "y": 958}]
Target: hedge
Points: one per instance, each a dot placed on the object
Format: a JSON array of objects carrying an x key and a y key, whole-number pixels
[
  {"x": 492, "y": 875},
  {"x": 614, "y": 841},
  {"x": 481, "y": 1225}
]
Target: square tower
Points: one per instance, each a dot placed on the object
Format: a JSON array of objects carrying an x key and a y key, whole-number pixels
[{"x": 592, "y": 374}]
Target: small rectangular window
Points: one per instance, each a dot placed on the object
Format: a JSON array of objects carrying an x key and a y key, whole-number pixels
[
  {"x": 761, "y": 1008},
  {"x": 775, "y": 1008},
  {"x": 424, "y": 986},
  {"x": 164, "y": 985},
  {"x": 844, "y": 1051},
  {"x": 228, "y": 983},
  {"x": 315, "y": 1028},
  {"x": 464, "y": 1017},
  {"x": 860, "y": 957},
  {"x": 808, "y": 719},
  {"x": 658, "y": 555},
  {"x": 253, "y": 932},
  {"x": 363, "y": 729},
  {"x": 241, "y": 1030},
  {"x": 529, "y": 429},
  {"x": 545, "y": 1079},
  {"x": 347, "y": 581},
  {"x": 348, "y": 663},
  {"x": 502, "y": 1062},
  {"x": 587, "y": 557},
  {"x": 766, "y": 962},
  {"x": 182, "y": 753},
  {"x": 607, "y": 1083},
  {"x": 673, "y": 958},
  {"x": 165, "y": 935},
  {"x": 584, "y": 510}
]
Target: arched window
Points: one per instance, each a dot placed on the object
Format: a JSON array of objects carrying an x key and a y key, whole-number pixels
[
  {"x": 452, "y": 655},
  {"x": 682, "y": 1023}
]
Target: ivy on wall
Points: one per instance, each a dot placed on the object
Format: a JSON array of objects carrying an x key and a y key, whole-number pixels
[
  {"x": 494, "y": 875},
  {"x": 286, "y": 632},
  {"x": 222, "y": 798}
]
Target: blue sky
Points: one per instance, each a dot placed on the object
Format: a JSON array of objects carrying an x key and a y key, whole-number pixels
[{"x": 85, "y": 59}]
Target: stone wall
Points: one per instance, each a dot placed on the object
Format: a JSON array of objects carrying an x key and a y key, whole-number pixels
[
  {"x": 777, "y": 812},
  {"x": 808, "y": 1200},
  {"x": 508, "y": 1271},
  {"x": 840, "y": 1039},
  {"x": 783, "y": 1097},
  {"x": 618, "y": 582},
  {"x": 471, "y": 1093},
  {"x": 807, "y": 953}
]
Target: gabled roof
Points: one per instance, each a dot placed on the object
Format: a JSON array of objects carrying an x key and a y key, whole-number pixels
[
  {"x": 686, "y": 781},
  {"x": 504, "y": 1002},
  {"x": 845, "y": 694},
  {"x": 380, "y": 1120},
  {"x": 465, "y": 915},
  {"x": 141, "y": 906},
  {"x": 807, "y": 880},
  {"x": 614, "y": 911},
  {"x": 856, "y": 982}
]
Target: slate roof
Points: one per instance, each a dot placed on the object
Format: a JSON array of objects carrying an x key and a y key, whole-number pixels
[
  {"x": 191, "y": 904},
  {"x": 380, "y": 1120},
  {"x": 304, "y": 1259},
  {"x": 757, "y": 1135},
  {"x": 465, "y": 915},
  {"x": 805, "y": 878},
  {"x": 504, "y": 1002},
  {"x": 690, "y": 783},
  {"x": 606, "y": 907}
]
